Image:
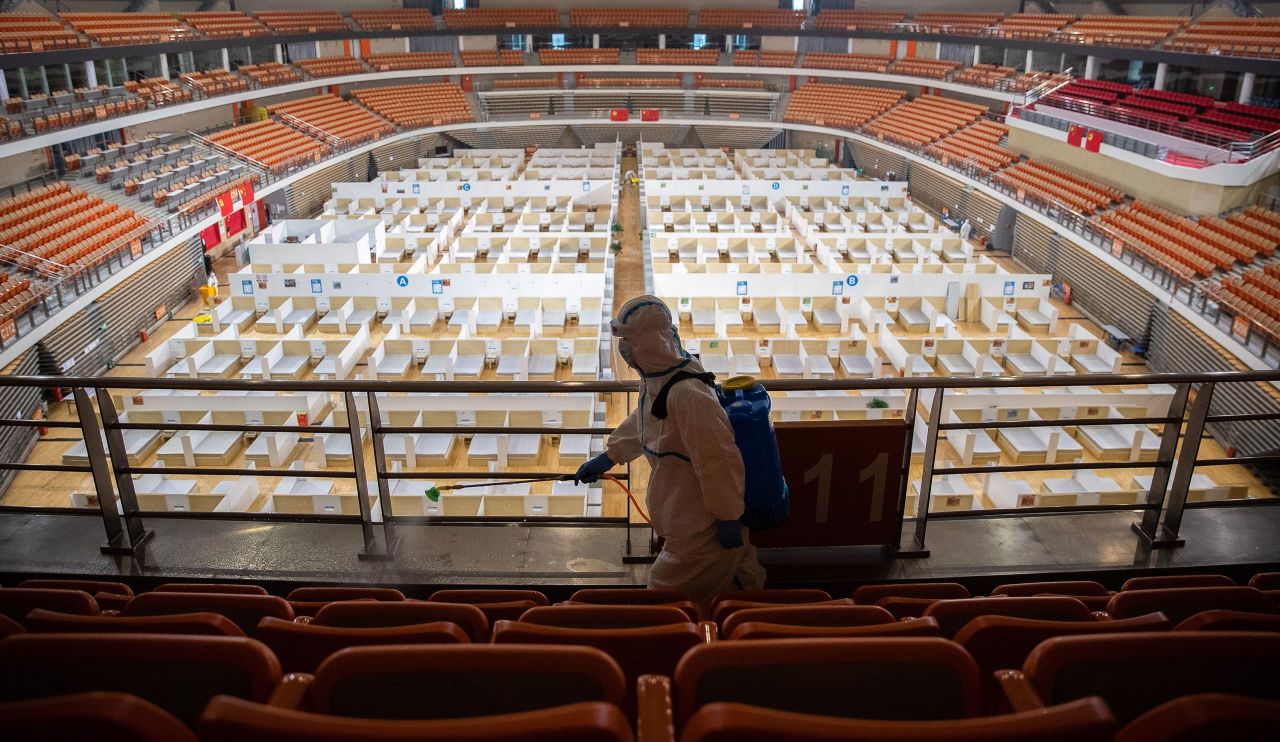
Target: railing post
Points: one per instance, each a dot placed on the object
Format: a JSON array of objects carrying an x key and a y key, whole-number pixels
[
  {"x": 926, "y": 476},
  {"x": 910, "y": 419},
  {"x": 1149, "y": 527},
  {"x": 371, "y": 549},
  {"x": 1186, "y": 466},
  {"x": 119, "y": 541},
  {"x": 380, "y": 473}
]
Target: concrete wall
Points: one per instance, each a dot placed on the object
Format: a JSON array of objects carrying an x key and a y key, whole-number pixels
[{"x": 20, "y": 167}]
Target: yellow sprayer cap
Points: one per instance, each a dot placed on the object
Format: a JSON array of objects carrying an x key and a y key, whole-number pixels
[{"x": 739, "y": 383}]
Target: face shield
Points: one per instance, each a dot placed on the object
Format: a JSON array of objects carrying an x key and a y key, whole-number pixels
[{"x": 646, "y": 338}]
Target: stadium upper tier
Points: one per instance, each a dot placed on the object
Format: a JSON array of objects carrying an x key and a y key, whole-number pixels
[{"x": 1252, "y": 37}]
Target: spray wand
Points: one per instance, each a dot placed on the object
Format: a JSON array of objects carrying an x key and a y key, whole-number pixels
[{"x": 433, "y": 493}]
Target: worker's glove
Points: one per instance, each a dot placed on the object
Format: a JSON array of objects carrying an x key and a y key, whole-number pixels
[
  {"x": 729, "y": 533},
  {"x": 591, "y": 470}
]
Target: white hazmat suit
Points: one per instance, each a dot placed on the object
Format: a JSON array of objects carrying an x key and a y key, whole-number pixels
[{"x": 696, "y": 469}]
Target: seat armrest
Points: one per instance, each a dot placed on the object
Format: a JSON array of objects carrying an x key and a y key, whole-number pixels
[
  {"x": 654, "y": 721},
  {"x": 291, "y": 691},
  {"x": 1018, "y": 692},
  {"x": 1101, "y": 616},
  {"x": 710, "y": 632},
  {"x": 303, "y": 619}
]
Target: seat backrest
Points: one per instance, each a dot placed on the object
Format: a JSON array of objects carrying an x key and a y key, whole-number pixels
[
  {"x": 1156, "y": 582},
  {"x": 371, "y": 614},
  {"x": 808, "y": 615},
  {"x": 901, "y": 608},
  {"x": 1137, "y": 672},
  {"x": 211, "y": 587},
  {"x": 244, "y": 610},
  {"x": 97, "y": 715},
  {"x": 9, "y": 627},
  {"x": 1181, "y": 603},
  {"x": 1265, "y": 581},
  {"x": 1063, "y": 587},
  {"x": 755, "y": 630},
  {"x": 954, "y": 614},
  {"x": 777, "y": 595},
  {"x": 628, "y": 596},
  {"x": 92, "y": 587},
  {"x": 177, "y": 673},
  {"x": 17, "y": 602},
  {"x": 448, "y": 682},
  {"x": 725, "y": 608},
  {"x": 1230, "y": 621},
  {"x": 872, "y": 594},
  {"x": 230, "y": 719},
  {"x": 1086, "y": 719},
  {"x": 913, "y": 678},
  {"x": 334, "y": 594},
  {"x": 478, "y": 597},
  {"x": 604, "y": 616},
  {"x": 196, "y": 624},
  {"x": 302, "y": 647},
  {"x": 1205, "y": 716}
]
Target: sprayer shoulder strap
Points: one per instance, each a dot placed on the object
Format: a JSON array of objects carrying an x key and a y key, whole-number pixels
[{"x": 659, "y": 407}]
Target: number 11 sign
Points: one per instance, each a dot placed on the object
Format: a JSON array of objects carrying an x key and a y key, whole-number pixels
[{"x": 845, "y": 479}]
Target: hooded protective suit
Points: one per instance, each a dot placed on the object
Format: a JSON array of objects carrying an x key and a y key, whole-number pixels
[{"x": 697, "y": 471}]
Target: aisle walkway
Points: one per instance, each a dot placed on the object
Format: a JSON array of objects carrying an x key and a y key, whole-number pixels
[{"x": 628, "y": 268}]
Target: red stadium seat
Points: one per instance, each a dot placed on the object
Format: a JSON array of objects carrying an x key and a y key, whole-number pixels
[
  {"x": 197, "y": 624},
  {"x": 1206, "y": 716},
  {"x": 604, "y": 616},
  {"x": 1230, "y": 621},
  {"x": 1179, "y": 604},
  {"x": 17, "y": 602},
  {"x": 89, "y": 586},
  {"x": 809, "y": 615},
  {"x": 952, "y": 615},
  {"x": 1086, "y": 720},
  {"x": 497, "y": 605},
  {"x": 1065, "y": 587},
  {"x": 9, "y": 627},
  {"x": 209, "y": 587},
  {"x": 628, "y": 596},
  {"x": 755, "y": 630},
  {"x": 1266, "y": 581},
  {"x": 306, "y": 601},
  {"x": 1168, "y": 581},
  {"x": 871, "y": 594},
  {"x": 244, "y": 610},
  {"x": 724, "y": 609},
  {"x": 302, "y": 647},
  {"x": 230, "y": 719},
  {"x": 98, "y": 715},
  {"x": 371, "y": 614},
  {"x": 778, "y": 595}
]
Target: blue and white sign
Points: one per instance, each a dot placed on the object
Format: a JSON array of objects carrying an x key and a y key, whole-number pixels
[
  {"x": 246, "y": 287},
  {"x": 1008, "y": 288},
  {"x": 775, "y": 185},
  {"x": 317, "y": 286},
  {"x": 742, "y": 288},
  {"x": 837, "y": 288},
  {"x": 746, "y": 190},
  {"x": 417, "y": 188},
  {"x": 402, "y": 281},
  {"x": 586, "y": 186},
  {"x": 466, "y": 186},
  {"x": 852, "y": 280},
  {"x": 437, "y": 286},
  {"x": 844, "y": 190}
]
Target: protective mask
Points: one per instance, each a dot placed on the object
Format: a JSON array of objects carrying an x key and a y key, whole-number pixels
[{"x": 624, "y": 350}]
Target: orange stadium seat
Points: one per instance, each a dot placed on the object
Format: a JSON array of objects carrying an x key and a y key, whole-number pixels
[
  {"x": 851, "y": 62},
  {"x": 375, "y": 614},
  {"x": 843, "y": 106},
  {"x": 859, "y": 20},
  {"x": 345, "y": 122},
  {"x": 977, "y": 145},
  {"x": 773, "y": 18},
  {"x": 502, "y": 18},
  {"x": 301, "y": 21},
  {"x": 301, "y": 647},
  {"x": 243, "y": 610},
  {"x": 113, "y": 29},
  {"x": 629, "y": 18},
  {"x": 492, "y": 58},
  {"x": 224, "y": 24},
  {"x": 578, "y": 56},
  {"x": 270, "y": 73},
  {"x": 35, "y": 33},
  {"x": 695, "y": 57},
  {"x": 102, "y": 715},
  {"x": 924, "y": 120},
  {"x": 1051, "y": 185},
  {"x": 198, "y": 624},
  {"x": 269, "y": 144},
  {"x": 330, "y": 66},
  {"x": 395, "y": 19},
  {"x": 410, "y": 60},
  {"x": 428, "y": 104}
]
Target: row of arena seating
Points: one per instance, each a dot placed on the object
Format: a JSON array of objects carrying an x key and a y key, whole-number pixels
[
  {"x": 523, "y": 83},
  {"x": 501, "y": 18},
  {"x": 850, "y": 62},
  {"x": 906, "y": 652},
  {"x": 301, "y": 21},
  {"x": 578, "y": 56},
  {"x": 844, "y": 106},
  {"x": 859, "y": 20},
  {"x": 16, "y": 297},
  {"x": 706, "y": 56},
  {"x": 772, "y": 18},
  {"x": 269, "y": 144},
  {"x": 977, "y": 144},
  {"x": 628, "y": 82},
  {"x": 429, "y": 104},
  {"x": 755, "y": 58},
  {"x": 629, "y": 18},
  {"x": 344, "y": 121},
  {"x": 66, "y": 225},
  {"x": 955, "y": 23},
  {"x": 36, "y": 33},
  {"x": 224, "y": 24},
  {"x": 1121, "y": 30},
  {"x": 492, "y": 58},
  {"x": 270, "y": 73},
  {"x": 1051, "y": 185},
  {"x": 110, "y": 29},
  {"x": 924, "y": 120},
  {"x": 1031, "y": 25},
  {"x": 935, "y": 69},
  {"x": 1253, "y": 37},
  {"x": 330, "y": 66},
  {"x": 394, "y": 19},
  {"x": 215, "y": 82},
  {"x": 410, "y": 60},
  {"x": 983, "y": 75}
]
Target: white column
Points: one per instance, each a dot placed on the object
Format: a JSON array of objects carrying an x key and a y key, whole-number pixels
[
  {"x": 355, "y": 48},
  {"x": 1062, "y": 62},
  {"x": 279, "y": 49},
  {"x": 1027, "y": 66},
  {"x": 662, "y": 41},
  {"x": 406, "y": 45},
  {"x": 528, "y": 42},
  {"x": 4, "y": 88},
  {"x": 848, "y": 46},
  {"x": 595, "y": 41},
  {"x": 164, "y": 66},
  {"x": 226, "y": 59},
  {"x": 90, "y": 75},
  {"x": 1246, "y": 87},
  {"x": 1091, "y": 68},
  {"x": 977, "y": 51},
  {"x": 728, "y": 43},
  {"x": 1162, "y": 70}
]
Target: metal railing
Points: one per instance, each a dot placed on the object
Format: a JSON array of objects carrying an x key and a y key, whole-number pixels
[{"x": 108, "y": 460}]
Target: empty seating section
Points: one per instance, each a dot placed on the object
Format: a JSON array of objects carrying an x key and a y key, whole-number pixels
[
  {"x": 330, "y": 66},
  {"x": 732, "y": 83},
  {"x": 269, "y": 144},
  {"x": 35, "y": 33},
  {"x": 41, "y": 112},
  {"x": 924, "y": 120},
  {"x": 302, "y": 21},
  {"x": 968, "y": 24},
  {"x": 1120, "y": 30},
  {"x": 844, "y": 106},
  {"x": 492, "y": 58},
  {"x": 754, "y": 58},
  {"x": 677, "y": 56},
  {"x": 16, "y": 296},
  {"x": 335, "y": 117},
  {"x": 429, "y": 104},
  {"x": 1031, "y": 25},
  {"x": 977, "y": 145},
  {"x": 754, "y": 18},
  {"x": 578, "y": 56},
  {"x": 1245, "y": 37},
  {"x": 270, "y": 73},
  {"x": 983, "y": 75},
  {"x": 1165, "y": 238},
  {"x": 214, "y": 82},
  {"x": 394, "y": 20},
  {"x": 936, "y": 69},
  {"x": 157, "y": 91},
  {"x": 626, "y": 18},
  {"x": 224, "y": 24},
  {"x": 112, "y": 29},
  {"x": 410, "y": 60},
  {"x": 629, "y": 82},
  {"x": 859, "y": 20},
  {"x": 851, "y": 62},
  {"x": 502, "y": 18},
  {"x": 522, "y": 83},
  {"x": 1255, "y": 294},
  {"x": 1051, "y": 185},
  {"x": 67, "y": 226}
]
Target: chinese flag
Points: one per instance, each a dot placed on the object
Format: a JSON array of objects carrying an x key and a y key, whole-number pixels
[
  {"x": 246, "y": 192},
  {"x": 1074, "y": 135},
  {"x": 224, "y": 204},
  {"x": 619, "y": 114},
  {"x": 649, "y": 114},
  {"x": 1093, "y": 142}
]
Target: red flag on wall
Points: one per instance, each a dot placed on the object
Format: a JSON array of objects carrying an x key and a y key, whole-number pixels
[
  {"x": 619, "y": 114},
  {"x": 246, "y": 192},
  {"x": 1074, "y": 134},
  {"x": 649, "y": 114},
  {"x": 1093, "y": 142},
  {"x": 225, "y": 204}
]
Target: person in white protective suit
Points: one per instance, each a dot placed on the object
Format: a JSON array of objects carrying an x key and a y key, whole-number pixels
[{"x": 696, "y": 484}]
